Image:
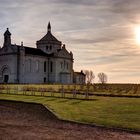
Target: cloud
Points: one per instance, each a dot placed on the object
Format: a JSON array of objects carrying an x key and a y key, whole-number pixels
[{"x": 100, "y": 33}]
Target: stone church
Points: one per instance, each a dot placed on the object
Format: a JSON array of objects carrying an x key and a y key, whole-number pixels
[{"x": 49, "y": 62}]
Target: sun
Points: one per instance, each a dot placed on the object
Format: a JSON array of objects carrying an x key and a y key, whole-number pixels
[{"x": 137, "y": 34}]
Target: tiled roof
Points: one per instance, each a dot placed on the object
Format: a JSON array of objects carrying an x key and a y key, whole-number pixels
[
  {"x": 35, "y": 51},
  {"x": 49, "y": 38}
]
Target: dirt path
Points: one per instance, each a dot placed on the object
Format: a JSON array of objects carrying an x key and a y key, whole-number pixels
[{"x": 25, "y": 121}]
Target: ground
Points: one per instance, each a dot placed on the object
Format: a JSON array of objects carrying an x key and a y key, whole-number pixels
[
  {"x": 117, "y": 112},
  {"x": 28, "y": 121}
]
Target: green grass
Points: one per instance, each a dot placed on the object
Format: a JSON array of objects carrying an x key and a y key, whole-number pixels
[{"x": 107, "y": 111}]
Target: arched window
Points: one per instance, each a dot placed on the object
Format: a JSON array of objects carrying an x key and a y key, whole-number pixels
[
  {"x": 51, "y": 66},
  {"x": 50, "y": 47},
  {"x": 61, "y": 63},
  {"x": 37, "y": 65},
  {"x": 5, "y": 71},
  {"x": 64, "y": 63},
  {"x": 67, "y": 65},
  {"x": 44, "y": 66},
  {"x": 46, "y": 47},
  {"x": 28, "y": 65}
]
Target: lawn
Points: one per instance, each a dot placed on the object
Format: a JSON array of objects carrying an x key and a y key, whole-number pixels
[{"x": 118, "y": 112}]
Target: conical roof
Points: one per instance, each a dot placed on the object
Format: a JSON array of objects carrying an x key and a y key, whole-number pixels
[
  {"x": 49, "y": 38},
  {"x": 7, "y": 32}
]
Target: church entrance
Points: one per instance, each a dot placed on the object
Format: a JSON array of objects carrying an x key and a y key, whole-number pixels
[
  {"x": 44, "y": 79},
  {"x": 6, "y": 78},
  {"x": 5, "y": 75}
]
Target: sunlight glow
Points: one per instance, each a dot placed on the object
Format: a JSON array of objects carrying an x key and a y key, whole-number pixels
[{"x": 137, "y": 34}]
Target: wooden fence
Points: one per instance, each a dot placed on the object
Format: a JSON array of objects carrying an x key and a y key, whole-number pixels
[{"x": 73, "y": 91}]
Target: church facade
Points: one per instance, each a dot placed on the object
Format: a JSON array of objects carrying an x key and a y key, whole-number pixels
[{"x": 49, "y": 62}]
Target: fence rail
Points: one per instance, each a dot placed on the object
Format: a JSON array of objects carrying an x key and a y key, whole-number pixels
[
  {"x": 73, "y": 91},
  {"x": 45, "y": 91}
]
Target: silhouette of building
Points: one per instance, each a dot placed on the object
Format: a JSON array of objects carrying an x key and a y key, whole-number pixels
[
  {"x": 50, "y": 62},
  {"x": 79, "y": 77}
]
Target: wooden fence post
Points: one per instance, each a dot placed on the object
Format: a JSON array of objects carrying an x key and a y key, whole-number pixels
[
  {"x": 74, "y": 91},
  {"x": 24, "y": 90},
  {"x": 16, "y": 90},
  {"x": 62, "y": 91},
  {"x": 52, "y": 92},
  {"x": 43, "y": 90},
  {"x": 135, "y": 89},
  {"x": 8, "y": 90},
  {"x": 33, "y": 91}
]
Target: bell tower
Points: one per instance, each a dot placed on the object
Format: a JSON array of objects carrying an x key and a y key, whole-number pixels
[{"x": 7, "y": 38}]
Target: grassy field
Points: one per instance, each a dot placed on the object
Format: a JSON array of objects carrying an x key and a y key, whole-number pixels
[{"x": 107, "y": 111}]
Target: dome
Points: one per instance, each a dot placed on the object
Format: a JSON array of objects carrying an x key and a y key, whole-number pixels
[{"x": 49, "y": 38}]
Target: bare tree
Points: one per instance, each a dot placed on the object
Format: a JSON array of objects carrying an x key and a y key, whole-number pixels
[
  {"x": 102, "y": 77},
  {"x": 89, "y": 76}
]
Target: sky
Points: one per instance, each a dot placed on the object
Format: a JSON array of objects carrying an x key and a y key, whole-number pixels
[{"x": 100, "y": 33}]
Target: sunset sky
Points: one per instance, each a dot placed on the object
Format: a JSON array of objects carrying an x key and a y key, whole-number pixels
[{"x": 104, "y": 35}]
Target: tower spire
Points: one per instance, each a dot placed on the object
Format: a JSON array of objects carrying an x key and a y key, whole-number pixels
[
  {"x": 7, "y": 38},
  {"x": 49, "y": 27}
]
